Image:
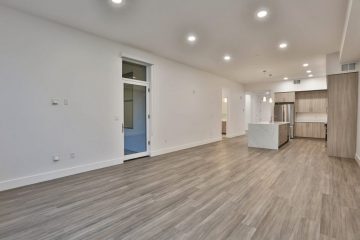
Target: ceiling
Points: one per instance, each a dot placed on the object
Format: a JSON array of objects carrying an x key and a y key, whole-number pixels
[
  {"x": 312, "y": 29},
  {"x": 350, "y": 51}
]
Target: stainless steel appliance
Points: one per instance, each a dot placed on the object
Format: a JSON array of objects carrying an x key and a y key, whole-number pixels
[{"x": 285, "y": 112}]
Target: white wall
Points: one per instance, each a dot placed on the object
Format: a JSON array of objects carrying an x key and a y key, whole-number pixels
[
  {"x": 41, "y": 60},
  {"x": 248, "y": 113},
  {"x": 288, "y": 86},
  {"x": 333, "y": 65},
  {"x": 224, "y": 107},
  {"x": 259, "y": 110}
]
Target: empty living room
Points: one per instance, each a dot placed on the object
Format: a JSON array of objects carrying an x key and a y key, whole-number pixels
[{"x": 179, "y": 120}]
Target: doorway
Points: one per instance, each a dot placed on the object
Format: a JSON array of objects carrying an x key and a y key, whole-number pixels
[{"x": 136, "y": 110}]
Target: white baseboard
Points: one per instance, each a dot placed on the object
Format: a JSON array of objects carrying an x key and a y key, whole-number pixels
[
  {"x": 185, "y": 146},
  {"x": 236, "y": 135},
  {"x": 47, "y": 176},
  {"x": 357, "y": 158},
  {"x": 43, "y": 177}
]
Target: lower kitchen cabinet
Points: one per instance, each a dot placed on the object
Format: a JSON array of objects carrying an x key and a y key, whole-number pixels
[{"x": 310, "y": 130}]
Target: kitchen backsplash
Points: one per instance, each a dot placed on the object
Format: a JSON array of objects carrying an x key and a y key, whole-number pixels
[{"x": 311, "y": 117}]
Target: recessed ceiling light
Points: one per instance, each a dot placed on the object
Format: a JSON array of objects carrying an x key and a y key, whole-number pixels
[
  {"x": 305, "y": 65},
  {"x": 310, "y": 75},
  {"x": 283, "y": 45},
  {"x": 117, "y": 1},
  {"x": 286, "y": 78},
  {"x": 191, "y": 38},
  {"x": 227, "y": 58},
  {"x": 262, "y": 14},
  {"x": 308, "y": 71}
]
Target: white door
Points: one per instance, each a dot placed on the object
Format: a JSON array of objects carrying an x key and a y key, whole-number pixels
[{"x": 136, "y": 121}]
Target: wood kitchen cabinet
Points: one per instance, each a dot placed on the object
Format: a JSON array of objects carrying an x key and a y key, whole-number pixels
[
  {"x": 310, "y": 130},
  {"x": 311, "y": 102},
  {"x": 342, "y": 114},
  {"x": 284, "y": 97}
]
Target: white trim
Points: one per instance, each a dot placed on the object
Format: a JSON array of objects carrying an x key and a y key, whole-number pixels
[
  {"x": 357, "y": 159},
  {"x": 185, "y": 146},
  {"x": 135, "y": 60},
  {"x": 43, "y": 177}
]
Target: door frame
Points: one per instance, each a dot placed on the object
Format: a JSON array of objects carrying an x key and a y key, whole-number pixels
[{"x": 145, "y": 84}]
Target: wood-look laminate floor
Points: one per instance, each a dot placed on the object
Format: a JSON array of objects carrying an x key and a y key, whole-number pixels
[{"x": 217, "y": 191}]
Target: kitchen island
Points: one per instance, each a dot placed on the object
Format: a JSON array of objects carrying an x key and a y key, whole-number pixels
[{"x": 268, "y": 135}]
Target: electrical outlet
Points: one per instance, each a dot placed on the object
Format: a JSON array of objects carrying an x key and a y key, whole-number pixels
[{"x": 72, "y": 155}]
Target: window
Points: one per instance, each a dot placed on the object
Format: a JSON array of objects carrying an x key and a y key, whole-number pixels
[{"x": 134, "y": 71}]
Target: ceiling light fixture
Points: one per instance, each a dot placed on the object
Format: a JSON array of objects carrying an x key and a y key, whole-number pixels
[
  {"x": 305, "y": 65},
  {"x": 308, "y": 71},
  {"x": 286, "y": 78},
  {"x": 191, "y": 38},
  {"x": 117, "y": 1},
  {"x": 310, "y": 75},
  {"x": 227, "y": 58},
  {"x": 283, "y": 45},
  {"x": 262, "y": 14}
]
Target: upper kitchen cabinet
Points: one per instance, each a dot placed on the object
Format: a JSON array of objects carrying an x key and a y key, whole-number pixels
[
  {"x": 311, "y": 102},
  {"x": 285, "y": 97},
  {"x": 342, "y": 114}
]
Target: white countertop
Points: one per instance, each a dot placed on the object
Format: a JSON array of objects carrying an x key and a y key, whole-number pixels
[
  {"x": 270, "y": 123},
  {"x": 311, "y": 122}
]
